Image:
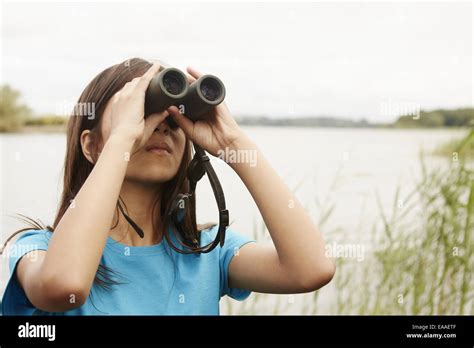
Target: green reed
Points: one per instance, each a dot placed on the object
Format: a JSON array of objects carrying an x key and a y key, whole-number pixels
[{"x": 421, "y": 259}]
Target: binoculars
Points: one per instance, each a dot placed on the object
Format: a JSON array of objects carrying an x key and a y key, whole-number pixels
[{"x": 171, "y": 87}]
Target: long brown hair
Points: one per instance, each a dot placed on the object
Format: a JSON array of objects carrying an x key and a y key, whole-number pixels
[{"x": 77, "y": 168}]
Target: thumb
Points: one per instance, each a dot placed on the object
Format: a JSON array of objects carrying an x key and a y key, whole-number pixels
[{"x": 183, "y": 122}]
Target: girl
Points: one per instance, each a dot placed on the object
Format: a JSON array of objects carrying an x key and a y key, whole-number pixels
[{"x": 92, "y": 262}]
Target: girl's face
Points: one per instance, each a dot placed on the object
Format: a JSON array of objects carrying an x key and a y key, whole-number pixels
[{"x": 159, "y": 160}]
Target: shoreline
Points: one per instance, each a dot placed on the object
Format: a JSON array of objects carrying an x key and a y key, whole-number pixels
[
  {"x": 40, "y": 129},
  {"x": 63, "y": 128}
]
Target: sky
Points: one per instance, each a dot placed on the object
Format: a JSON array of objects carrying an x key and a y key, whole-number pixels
[{"x": 278, "y": 59}]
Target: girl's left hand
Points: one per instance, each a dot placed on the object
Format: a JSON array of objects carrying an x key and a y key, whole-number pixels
[{"x": 217, "y": 132}]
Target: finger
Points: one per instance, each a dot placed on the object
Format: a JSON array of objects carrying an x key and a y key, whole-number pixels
[
  {"x": 183, "y": 122},
  {"x": 194, "y": 73},
  {"x": 116, "y": 97},
  {"x": 190, "y": 79},
  {"x": 128, "y": 88},
  {"x": 130, "y": 85},
  {"x": 144, "y": 81},
  {"x": 152, "y": 71}
]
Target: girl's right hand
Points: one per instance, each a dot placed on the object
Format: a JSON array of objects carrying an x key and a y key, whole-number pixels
[{"x": 128, "y": 109}]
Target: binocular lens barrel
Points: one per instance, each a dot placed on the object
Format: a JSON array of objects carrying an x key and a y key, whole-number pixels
[
  {"x": 171, "y": 87},
  {"x": 165, "y": 89},
  {"x": 210, "y": 89},
  {"x": 172, "y": 83},
  {"x": 204, "y": 94}
]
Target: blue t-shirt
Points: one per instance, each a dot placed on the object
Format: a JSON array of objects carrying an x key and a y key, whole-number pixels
[{"x": 154, "y": 280}]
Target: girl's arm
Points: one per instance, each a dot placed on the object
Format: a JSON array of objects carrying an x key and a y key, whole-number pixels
[
  {"x": 297, "y": 261},
  {"x": 60, "y": 278}
]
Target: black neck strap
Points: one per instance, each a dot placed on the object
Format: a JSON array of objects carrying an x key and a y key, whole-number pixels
[{"x": 218, "y": 194}]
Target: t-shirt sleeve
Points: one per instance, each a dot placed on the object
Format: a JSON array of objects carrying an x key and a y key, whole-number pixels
[
  {"x": 233, "y": 242},
  {"x": 14, "y": 301}
]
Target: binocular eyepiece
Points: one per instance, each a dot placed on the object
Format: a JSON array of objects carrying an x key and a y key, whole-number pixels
[{"x": 171, "y": 87}]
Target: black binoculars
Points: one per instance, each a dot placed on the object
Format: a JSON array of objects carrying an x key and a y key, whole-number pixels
[{"x": 171, "y": 87}]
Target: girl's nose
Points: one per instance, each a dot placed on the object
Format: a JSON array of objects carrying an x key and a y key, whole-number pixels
[{"x": 163, "y": 127}]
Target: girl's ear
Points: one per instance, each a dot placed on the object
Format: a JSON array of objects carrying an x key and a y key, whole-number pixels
[{"x": 87, "y": 145}]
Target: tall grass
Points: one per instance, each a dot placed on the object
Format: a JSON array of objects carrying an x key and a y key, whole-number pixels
[
  {"x": 425, "y": 266},
  {"x": 423, "y": 257},
  {"x": 458, "y": 148},
  {"x": 422, "y": 252}
]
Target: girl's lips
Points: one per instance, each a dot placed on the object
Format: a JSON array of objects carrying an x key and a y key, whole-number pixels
[{"x": 160, "y": 148}]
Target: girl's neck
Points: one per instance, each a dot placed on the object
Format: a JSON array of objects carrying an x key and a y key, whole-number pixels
[{"x": 139, "y": 202}]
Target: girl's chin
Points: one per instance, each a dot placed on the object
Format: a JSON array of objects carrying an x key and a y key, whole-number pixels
[{"x": 158, "y": 178}]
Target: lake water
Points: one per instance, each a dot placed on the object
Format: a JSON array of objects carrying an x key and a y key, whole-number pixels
[{"x": 345, "y": 167}]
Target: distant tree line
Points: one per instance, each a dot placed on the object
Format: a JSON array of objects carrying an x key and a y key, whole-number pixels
[
  {"x": 14, "y": 115},
  {"x": 426, "y": 119},
  {"x": 302, "y": 122},
  {"x": 438, "y": 118}
]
